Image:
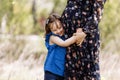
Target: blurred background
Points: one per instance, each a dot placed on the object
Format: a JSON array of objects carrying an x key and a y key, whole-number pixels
[{"x": 22, "y": 49}]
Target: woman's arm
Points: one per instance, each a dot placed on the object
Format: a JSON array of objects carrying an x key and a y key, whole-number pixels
[{"x": 95, "y": 17}]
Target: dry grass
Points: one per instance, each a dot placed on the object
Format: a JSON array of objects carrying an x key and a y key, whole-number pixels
[
  {"x": 22, "y": 58},
  {"x": 110, "y": 66},
  {"x": 21, "y": 71}
]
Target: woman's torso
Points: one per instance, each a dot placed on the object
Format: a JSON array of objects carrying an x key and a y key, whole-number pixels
[{"x": 76, "y": 14}]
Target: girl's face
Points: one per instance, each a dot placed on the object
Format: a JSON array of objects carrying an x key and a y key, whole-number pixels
[{"x": 57, "y": 28}]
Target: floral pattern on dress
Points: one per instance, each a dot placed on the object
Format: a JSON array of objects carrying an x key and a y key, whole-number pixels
[{"x": 82, "y": 62}]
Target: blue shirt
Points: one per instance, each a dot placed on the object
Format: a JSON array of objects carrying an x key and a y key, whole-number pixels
[{"x": 55, "y": 60}]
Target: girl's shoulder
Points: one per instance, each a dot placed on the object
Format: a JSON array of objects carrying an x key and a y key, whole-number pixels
[
  {"x": 56, "y": 36},
  {"x": 47, "y": 37},
  {"x": 47, "y": 40}
]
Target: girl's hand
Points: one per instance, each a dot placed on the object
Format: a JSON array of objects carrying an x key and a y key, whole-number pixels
[
  {"x": 80, "y": 35},
  {"x": 79, "y": 30}
]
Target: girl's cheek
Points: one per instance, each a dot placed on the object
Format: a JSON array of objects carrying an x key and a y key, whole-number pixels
[{"x": 62, "y": 32}]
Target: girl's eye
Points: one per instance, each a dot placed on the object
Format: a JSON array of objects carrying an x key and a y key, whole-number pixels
[{"x": 60, "y": 27}]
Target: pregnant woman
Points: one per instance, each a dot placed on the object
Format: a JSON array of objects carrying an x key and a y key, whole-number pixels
[{"x": 82, "y": 62}]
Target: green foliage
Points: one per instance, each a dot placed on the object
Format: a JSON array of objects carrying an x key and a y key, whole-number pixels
[
  {"x": 111, "y": 21},
  {"x": 59, "y": 5},
  {"x": 20, "y": 17}
]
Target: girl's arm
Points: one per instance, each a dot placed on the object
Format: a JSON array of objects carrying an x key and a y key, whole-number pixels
[
  {"x": 60, "y": 42},
  {"x": 93, "y": 20},
  {"x": 79, "y": 40},
  {"x": 68, "y": 42}
]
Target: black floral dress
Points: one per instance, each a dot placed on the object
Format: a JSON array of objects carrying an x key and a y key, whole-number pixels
[{"x": 82, "y": 62}]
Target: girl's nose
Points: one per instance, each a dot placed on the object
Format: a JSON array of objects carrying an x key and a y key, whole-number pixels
[{"x": 58, "y": 31}]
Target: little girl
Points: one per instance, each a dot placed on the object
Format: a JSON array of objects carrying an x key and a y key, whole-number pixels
[{"x": 56, "y": 43}]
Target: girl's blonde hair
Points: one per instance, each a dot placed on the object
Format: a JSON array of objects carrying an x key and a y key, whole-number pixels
[{"x": 50, "y": 21}]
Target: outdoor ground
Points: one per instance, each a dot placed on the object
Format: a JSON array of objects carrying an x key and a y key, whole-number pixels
[{"x": 23, "y": 59}]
